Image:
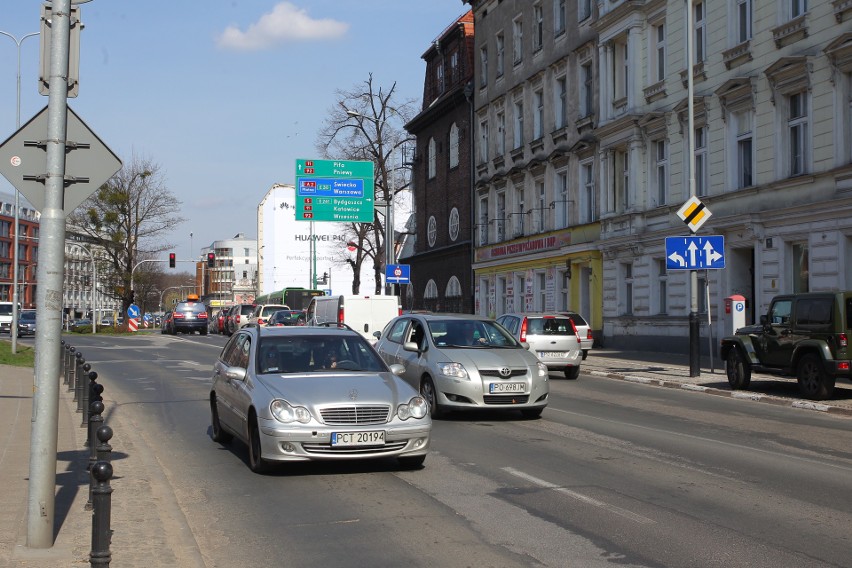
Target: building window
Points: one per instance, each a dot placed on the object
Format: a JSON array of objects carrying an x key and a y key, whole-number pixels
[
  {"x": 502, "y": 293},
  {"x": 620, "y": 187},
  {"x": 620, "y": 69},
  {"x": 483, "y": 141},
  {"x": 519, "y": 124},
  {"x": 538, "y": 117},
  {"x": 439, "y": 77},
  {"x": 540, "y": 291},
  {"x": 626, "y": 280},
  {"x": 501, "y": 216},
  {"x": 453, "y": 296},
  {"x": 454, "y": 145},
  {"x": 560, "y": 102},
  {"x": 661, "y": 168},
  {"x": 797, "y": 8},
  {"x": 560, "y": 17},
  {"x": 501, "y": 53},
  {"x": 454, "y": 224},
  {"x": 517, "y": 40},
  {"x": 587, "y": 84},
  {"x": 742, "y": 121},
  {"x": 560, "y": 204},
  {"x": 538, "y": 27},
  {"x": 584, "y": 9},
  {"x": 483, "y": 220},
  {"x": 743, "y": 20},
  {"x": 658, "y": 62},
  {"x": 432, "y": 230},
  {"x": 588, "y": 211},
  {"x": 430, "y": 296},
  {"x": 483, "y": 66},
  {"x": 799, "y": 276},
  {"x": 454, "y": 66},
  {"x": 520, "y": 209},
  {"x": 797, "y": 131},
  {"x": 700, "y": 26},
  {"x": 701, "y": 161},
  {"x": 541, "y": 207},
  {"x": 662, "y": 287},
  {"x": 433, "y": 158},
  {"x": 501, "y": 133}
]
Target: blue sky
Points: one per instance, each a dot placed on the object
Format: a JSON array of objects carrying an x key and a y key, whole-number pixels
[{"x": 223, "y": 95}]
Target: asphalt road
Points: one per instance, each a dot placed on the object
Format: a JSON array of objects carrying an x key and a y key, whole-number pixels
[{"x": 615, "y": 473}]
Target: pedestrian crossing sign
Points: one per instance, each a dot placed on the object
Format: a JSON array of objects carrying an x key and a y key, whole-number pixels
[{"x": 694, "y": 214}]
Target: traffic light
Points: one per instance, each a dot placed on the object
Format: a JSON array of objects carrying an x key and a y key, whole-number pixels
[
  {"x": 325, "y": 277},
  {"x": 171, "y": 260},
  {"x": 211, "y": 259}
]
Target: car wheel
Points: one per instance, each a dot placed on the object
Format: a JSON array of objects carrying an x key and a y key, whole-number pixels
[
  {"x": 814, "y": 382},
  {"x": 737, "y": 369},
  {"x": 571, "y": 373},
  {"x": 531, "y": 413},
  {"x": 219, "y": 435},
  {"x": 412, "y": 462},
  {"x": 427, "y": 389},
  {"x": 203, "y": 332},
  {"x": 256, "y": 461}
]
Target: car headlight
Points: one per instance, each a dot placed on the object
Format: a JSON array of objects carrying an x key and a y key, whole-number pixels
[
  {"x": 417, "y": 407},
  {"x": 285, "y": 412},
  {"x": 452, "y": 369},
  {"x": 542, "y": 369}
]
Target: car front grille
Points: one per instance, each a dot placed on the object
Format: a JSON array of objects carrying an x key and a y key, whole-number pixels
[
  {"x": 328, "y": 449},
  {"x": 496, "y": 373},
  {"x": 505, "y": 399},
  {"x": 354, "y": 415}
]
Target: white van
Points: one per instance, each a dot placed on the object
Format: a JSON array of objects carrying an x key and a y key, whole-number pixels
[{"x": 364, "y": 314}]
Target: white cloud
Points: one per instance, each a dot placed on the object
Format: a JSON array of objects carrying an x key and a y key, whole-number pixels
[{"x": 286, "y": 23}]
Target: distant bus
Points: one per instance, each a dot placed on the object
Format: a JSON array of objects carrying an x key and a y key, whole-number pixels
[{"x": 295, "y": 298}]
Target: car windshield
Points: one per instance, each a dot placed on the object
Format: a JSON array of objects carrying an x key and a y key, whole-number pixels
[
  {"x": 549, "y": 326},
  {"x": 470, "y": 334},
  {"x": 316, "y": 353},
  {"x": 27, "y": 316},
  {"x": 195, "y": 307}
]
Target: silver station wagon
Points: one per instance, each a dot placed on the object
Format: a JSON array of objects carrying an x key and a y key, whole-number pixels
[
  {"x": 465, "y": 362},
  {"x": 315, "y": 393},
  {"x": 553, "y": 337}
]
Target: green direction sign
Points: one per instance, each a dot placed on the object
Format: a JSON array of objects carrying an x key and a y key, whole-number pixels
[{"x": 335, "y": 190}]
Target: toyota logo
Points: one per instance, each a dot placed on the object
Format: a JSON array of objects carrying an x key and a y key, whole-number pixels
[{"x": 505, "y": 371}]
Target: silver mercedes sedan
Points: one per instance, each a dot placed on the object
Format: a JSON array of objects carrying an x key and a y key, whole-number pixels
[
  {"x": 465, "y": 362},
  {"x": 315, "y": 393}
]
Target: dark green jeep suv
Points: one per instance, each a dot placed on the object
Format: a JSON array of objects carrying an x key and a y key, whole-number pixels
[{"x": 803, "y": 335}]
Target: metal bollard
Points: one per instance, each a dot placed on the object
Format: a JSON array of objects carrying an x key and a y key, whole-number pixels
[
  {"x": 101, "y": 452},
  {"x": 91, "y": 396},
  {"x": 85, "y": 389},
  {"x": 69, "y": 364},
  {"x": 101, "y": 512},
  {"x": 79, "y": 384},
  {"x": 96, "y": 420},
  {"x": 75, "y": 362},
  {"x": 62, "y": 359}
]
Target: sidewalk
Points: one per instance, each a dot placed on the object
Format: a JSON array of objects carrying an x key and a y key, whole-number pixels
[{"x": 149, "y": 528}]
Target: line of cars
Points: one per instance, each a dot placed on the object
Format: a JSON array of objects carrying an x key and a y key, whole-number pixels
[
  {"x": 324, "y": 392},
  {"x": 228, "y": 321}
]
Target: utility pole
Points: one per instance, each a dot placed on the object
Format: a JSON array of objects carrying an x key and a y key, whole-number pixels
[{"x": 694, "y": 346}]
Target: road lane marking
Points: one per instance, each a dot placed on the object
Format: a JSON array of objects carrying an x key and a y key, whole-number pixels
[{"x": 580, "y": 497}]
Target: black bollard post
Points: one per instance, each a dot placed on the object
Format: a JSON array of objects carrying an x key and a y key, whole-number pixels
[
  {"x": 96, "y": 420},
  {"x": 62, "y": 359},
  {"x": 75, "y": 361},
  {"x": 85, "y": 389},
  {"x": 102, "y": 453},
  {"x": 91, "y": 397},
  {"x": 79, "y": 382},
  {"x": 70, "y": 365},
  {"x": 101, "y": 512}
]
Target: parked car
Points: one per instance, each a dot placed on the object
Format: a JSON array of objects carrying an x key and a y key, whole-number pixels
[
  {"x": 238, "y": 317},
  {"x": 802, "y": 335},
  {"x": 26, "y": 322},
  {"x": 168, "y": 324},
  {"x": 189, "y": 316},
  {"x": 304, "y": 393},
  {"x": 465, "y": 362},
  {"x": 107, "y": 321},
  {"x": 262, "y": 312},
  {"x": 82, "y": 322},
  {"x": 553, "y": 337},
  {"x": 286, "y": 318},
  {"x": 584, "y": 331}
]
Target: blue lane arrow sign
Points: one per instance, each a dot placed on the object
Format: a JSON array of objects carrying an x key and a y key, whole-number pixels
[
  {"x": 695, "y": 253},
  {"x": 398, "y": 274}
]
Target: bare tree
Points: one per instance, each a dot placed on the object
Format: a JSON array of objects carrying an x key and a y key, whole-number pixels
[
  {"x": 366, "y": 123},
  {"x": 128, "y": 216}
]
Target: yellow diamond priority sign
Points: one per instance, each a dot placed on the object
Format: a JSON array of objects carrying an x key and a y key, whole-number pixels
[{"x": 694, "y": 214}]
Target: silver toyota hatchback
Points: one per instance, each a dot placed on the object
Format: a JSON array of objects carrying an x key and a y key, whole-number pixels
[
  {"x": 552, "y": 336},
  {"x": 465, "y": 362}
]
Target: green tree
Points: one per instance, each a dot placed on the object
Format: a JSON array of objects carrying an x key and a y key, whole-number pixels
[{"x": 129, "y": 216}]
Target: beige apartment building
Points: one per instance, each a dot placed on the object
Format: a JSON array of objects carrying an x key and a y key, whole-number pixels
[{"x": 772, "y": 124}]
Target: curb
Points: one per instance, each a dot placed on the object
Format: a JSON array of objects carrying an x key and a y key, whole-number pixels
[{"x": 741, "y": 395}]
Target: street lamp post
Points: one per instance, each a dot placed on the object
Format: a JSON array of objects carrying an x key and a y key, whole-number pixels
[{"x": 14, "y": 329}]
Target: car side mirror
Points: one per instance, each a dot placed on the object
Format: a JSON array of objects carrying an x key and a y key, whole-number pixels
[
  {"x": 397, "y": 369},
  {"x": 525, "y": 345},
  {"x": 411, "y": 346},
  {"x": 236, "y": 373},
  {"x": 377, "y": 334}
]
